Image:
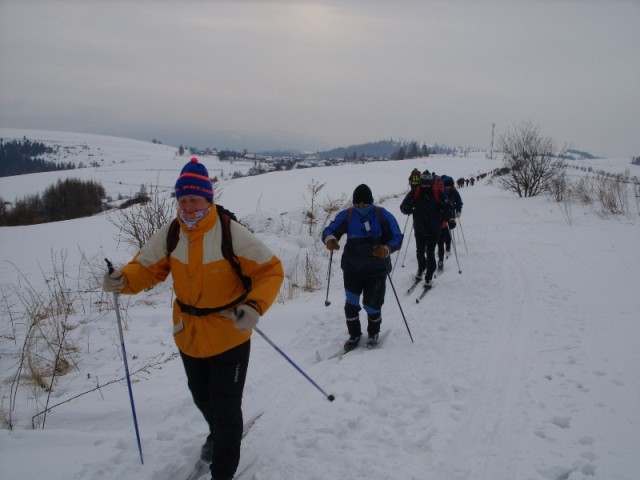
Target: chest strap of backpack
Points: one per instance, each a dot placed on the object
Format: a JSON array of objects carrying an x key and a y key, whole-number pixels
[{"x": 228, "y": 254}]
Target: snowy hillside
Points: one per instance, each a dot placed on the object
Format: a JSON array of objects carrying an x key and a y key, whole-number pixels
[{"x": 524, "y": 366}]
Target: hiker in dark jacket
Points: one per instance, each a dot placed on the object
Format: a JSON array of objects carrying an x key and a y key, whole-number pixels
[
  {"x": 372, "y": 235},
  {"x": 429, "y": 209},
  {"x": 455, "y": 200}
]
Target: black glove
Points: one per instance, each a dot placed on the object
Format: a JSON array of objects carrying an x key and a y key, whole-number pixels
[
  {"x": 406, "y": 209},
  {"x": 452, "y": 224}
]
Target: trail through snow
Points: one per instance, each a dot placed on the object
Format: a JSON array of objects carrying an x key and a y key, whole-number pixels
[{"x": 522, "y": 367}]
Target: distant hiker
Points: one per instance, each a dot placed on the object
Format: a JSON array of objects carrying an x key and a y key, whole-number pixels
[
  {"x": 372, "y": 235},
  {"x": 429, "y": 209},
  {"x": 414, "y": 178},
  {"x": 455, "y": 200},
  {"x": 214, "y": 311}
]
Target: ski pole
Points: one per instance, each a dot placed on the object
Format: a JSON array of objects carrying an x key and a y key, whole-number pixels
[
  {"x": 462, "y": 231},
  {"x": 326, "y": 300},
  {"x": 331, "y": 398},
  {"x": 455, "y": 250},
  {"x": 396, "y": 262},
  {"x": 400, "y": 307},
  {"x": 407, "y": 249},
  {"x": 126, "y": 365}
]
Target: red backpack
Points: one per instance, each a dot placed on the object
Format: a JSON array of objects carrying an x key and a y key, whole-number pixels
[{"x": 438, "y": 189}]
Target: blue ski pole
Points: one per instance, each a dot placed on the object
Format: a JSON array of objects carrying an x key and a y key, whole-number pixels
[
  {"x": 126, "y": 365},
  {"x": 331, "y": 398}
]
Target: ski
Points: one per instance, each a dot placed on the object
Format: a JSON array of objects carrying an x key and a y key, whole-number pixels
[
  {"x": 242, "y": 472},
  {"x": 340, "y": 353},
  {"x": 413, "y": 286},
  {"x": 201, "y": 468},
  {"x": 380, "y": 340},
  {"x": 425, "y": 290}
]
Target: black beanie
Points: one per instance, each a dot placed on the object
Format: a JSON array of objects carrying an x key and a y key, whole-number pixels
[{"x": 362, "y": 194}]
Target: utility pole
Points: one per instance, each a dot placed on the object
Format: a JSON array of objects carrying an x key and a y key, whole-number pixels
[{"x": 493, "y": 126}]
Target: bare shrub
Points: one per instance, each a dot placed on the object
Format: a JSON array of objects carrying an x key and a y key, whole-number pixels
[
  {"x": 583, "y": 190},
  {"x": 137, "y": 223},
  {"x": 46, "y": 351},
  {"x": 311, "y": 214},
  {"x": 559, "y": 187},
  {"x": 612, "y": 194},
  {"x": 332, "y": 206},
  {"x": 531, "y": 160},
  {"x": 561, "y": 193},
  {"x": 311, "y": 277}
]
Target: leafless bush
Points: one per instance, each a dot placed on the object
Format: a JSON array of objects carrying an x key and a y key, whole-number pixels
[
  {"x": 153, "y": 363},
  {"x": 137, "y": 223},
  {"x": 559, "y": 188},
  {"x": 4, "y": 421},
  {"x": 311, "y": 277},
  {"x": 531, "y": 160},
  {"x": 561, "y": 193},
  {"x": 583, "y": 191},
  {"x": 332, "y": 206},
  {"x": 46, "y": 349},
  {"x": 612, "y": 194},
  {"x": 311, "y": 214},
  {"x": 304, "y": 273}
]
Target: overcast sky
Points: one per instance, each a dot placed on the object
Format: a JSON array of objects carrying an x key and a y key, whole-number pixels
[{"x": 317, "y": 75}]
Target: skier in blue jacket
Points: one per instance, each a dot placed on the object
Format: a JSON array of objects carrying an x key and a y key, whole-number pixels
[{"x": 372, "y": 235}]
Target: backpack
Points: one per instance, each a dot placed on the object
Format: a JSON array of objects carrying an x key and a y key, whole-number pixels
[
  {"x": 383, "y": 223},
  {"x": 378, "y": 214},
  {"x": 226, "y": 216},
  {"x": 414, "y": 178},
  {"x": 437, "y": 186}
]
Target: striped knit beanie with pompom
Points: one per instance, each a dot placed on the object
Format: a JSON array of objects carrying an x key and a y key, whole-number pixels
[{"x": 194, "y": 180}]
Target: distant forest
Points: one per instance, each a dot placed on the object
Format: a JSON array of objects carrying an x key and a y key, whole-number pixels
[
  {"x": 19, "y": 157},
  {"x": 393, "y": 149},
  {"x": 67, "y": 199}
]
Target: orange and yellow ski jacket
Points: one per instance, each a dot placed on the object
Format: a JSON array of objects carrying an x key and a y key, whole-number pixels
[{"x": 203, "y": 278}]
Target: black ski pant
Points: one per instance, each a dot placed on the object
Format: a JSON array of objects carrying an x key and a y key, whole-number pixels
[
  {"x": 426, "y": 246},
  {"x": 372, "y": 289},
  {"x": 444, "y": 241},
  {"x": 216, "y": 384}
]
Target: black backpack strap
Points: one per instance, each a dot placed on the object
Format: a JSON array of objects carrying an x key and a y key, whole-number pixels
[
  {"x": 230, "y": 256},
  {"x": 173, "y": 235}
]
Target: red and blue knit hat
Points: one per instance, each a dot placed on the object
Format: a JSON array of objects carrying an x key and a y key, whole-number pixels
[{"x": 194, "y": 180}]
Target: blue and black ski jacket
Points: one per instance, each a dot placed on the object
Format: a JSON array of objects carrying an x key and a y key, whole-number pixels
[{"x": 365, "y": 228}]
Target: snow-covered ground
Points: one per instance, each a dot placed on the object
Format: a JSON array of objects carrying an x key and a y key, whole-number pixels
[{"x": 524, "y": 366}]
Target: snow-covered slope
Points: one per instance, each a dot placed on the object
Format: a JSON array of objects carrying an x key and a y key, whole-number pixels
[{"x": 524, "y": 366}]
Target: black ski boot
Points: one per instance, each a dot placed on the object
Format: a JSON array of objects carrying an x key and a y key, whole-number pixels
[
  {"x": 206, "y": 454},
  {"x": 352, "y": 342}
]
